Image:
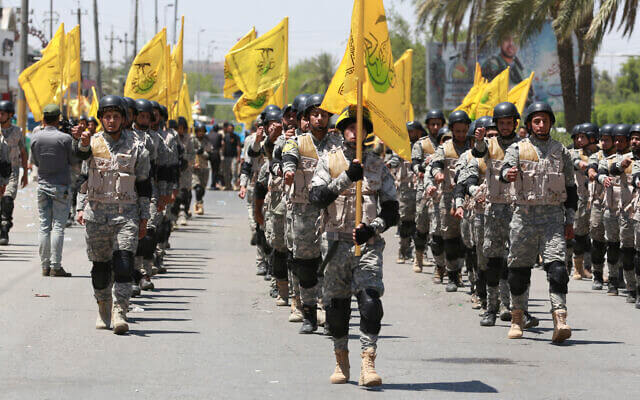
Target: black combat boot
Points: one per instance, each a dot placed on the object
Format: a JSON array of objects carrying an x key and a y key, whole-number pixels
[{"x": 310, "y": 319}]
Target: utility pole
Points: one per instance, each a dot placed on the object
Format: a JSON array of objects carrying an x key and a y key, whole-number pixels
[
  {"x": 135, "y": 28},
  {"x": 175, "y": 22},
  {"x": 79, "y": 13},
  {"x": 156, "y": 20},
  {"x": 51, "y": 18},
  {"x": 126, "y": 47},
  {"x": 24, "y": 56},
  {"x": 97, "y": 36},
  {"x": 110, "y": 39}
]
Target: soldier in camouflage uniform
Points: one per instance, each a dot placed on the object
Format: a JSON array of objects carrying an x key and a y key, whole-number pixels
[
  {"x": 498, "y": 210},
  {"x": 635, "y": 172},
  {"x": 270, "y": 192},
  {"x": 546, "y": 200},
  {"x": 333, "y": 188},
  {"x": 183, "y": 199},
  {"x": 115, "y": 209},
  {"x": 442, "y": 180},
  {"x": 421, "y": 154},
  {"x": 596, "y": 200},
  {"x": 618, "y": 221},
  {"x": 300, "y": 156},
  {"x": 18, "y": 154},
  {"x": 406, "y": 182},
  {"x": 587, "y": 139},
  {"x": 202, "y": 148}
]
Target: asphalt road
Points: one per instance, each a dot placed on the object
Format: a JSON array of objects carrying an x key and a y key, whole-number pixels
[{"x": 210, "y": 330}]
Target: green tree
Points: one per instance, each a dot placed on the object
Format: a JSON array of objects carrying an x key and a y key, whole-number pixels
[{"x": 311, "y": 75}]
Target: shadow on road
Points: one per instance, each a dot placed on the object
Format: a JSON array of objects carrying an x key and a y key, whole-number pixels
[
  {"x": 457, "y": 387},
  {"x": 145, "y": 333}
]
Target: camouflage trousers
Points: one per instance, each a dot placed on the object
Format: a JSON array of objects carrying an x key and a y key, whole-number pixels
[
  {"x": 466, "y": 229},
  {"x": 275, "y": 225},
  {"x": 407, "y": 203},
  {"x": 619, "y": 228},
  {"x": 596, "y": 223},
  {"x": 185, "y": 179},
  {"x": 536, "y": 230},
  {"x": 581, "y": 220},
  {"x": 449, "y": 225},
  {"x": 497, "y": 218},
  {"x": 345, "y": 275},
  {"x": 424, "y": 208},
  {"x": 303, "y": 230},
  {"x": 200, "y": 176},
  {"x": 103, "y": 239},
  {"x": 12, "y": 186},
  {"x": 478, "y": 234}
]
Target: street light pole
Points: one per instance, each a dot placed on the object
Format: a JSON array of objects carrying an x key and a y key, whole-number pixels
[
  {"x": 198, "y": 62},
  {"x": 165, "y": 15}
]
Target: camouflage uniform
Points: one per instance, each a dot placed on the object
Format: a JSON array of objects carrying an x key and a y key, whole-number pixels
[
  {"x": 346, "y": 274},
  {"x": 421, "y": 153},
  {"x": 185, "y": 181},
  {"x": 582, "y": 243},
  {"x": 545, "y": 181},
  {"x": 116, "y": 199},
  {"x": 200, "y": 177},
  {"x": 15, "y": 140},
  {"x": 253, "y": 161},
  {"x": 636, "y": 223},
  {"x": 168, "y": 179},
  {"x": 596, "y": 219},
  {"x": 406, "y": 183},
  {"x": 300, "y": 155}
]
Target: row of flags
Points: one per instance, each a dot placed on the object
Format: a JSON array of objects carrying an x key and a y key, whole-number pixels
[{"x": 484, "y": 96}]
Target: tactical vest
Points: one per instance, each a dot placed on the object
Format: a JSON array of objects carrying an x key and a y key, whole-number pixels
[
  {"x": 619, "y": 195},
  {"x": 476, "y": 203},
  {"x": 581, "y": 178},
  {"x": 498, "y": 191},
  {"x": 299, "y": 190},
  {"x": 541, "y": 181},
  {"x": 450, "y": 158},
  {"x": 13, "y": 137},
  {"x": 427, "y": 149},
  {"x": 341, "y": 213},
  {"x": 112, "y": 177}
]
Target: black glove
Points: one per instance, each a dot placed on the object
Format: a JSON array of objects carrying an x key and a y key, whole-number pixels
[
  {"x": 200, "y": 150},
  {"x": 5, "y": 169},
  {"x": 355, "y": 172},
  {"x": 363, "y": 233}
]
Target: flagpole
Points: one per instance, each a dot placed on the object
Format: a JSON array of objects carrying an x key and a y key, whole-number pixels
[{"x": 359, "y": 87}]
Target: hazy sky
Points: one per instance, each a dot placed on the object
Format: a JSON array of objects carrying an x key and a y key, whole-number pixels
[{"x": 314, "y": 26}]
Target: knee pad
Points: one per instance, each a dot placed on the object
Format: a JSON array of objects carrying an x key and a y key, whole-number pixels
[
  {"x": 338, "y": 312},
  {"x": 7, "y": 207},
  {"x": 598, "y": 252},
  {"x": 137, "y": 275},
  {"x": 407, "y": 229},
  {"x": 494, "y": 265},
  {"x": 558, "y": 277},
  {"x": 279, "y": 263},
  {"x": 582, "y": 244},
  {"x": 437, "y": 245},
  {"x": 452, "y": 249},
  {"x": 613, "y": 252},
  {"x": 628, "y": 254},
  {"x": 420, "y": 240},
  {"x": 307, "y": 271},
  {"x": 100, "y": 275},
  {"x": 122, "y": 266},
  {"x": 371, "y": 311},
  {"x": 519, "y": 280},
  {"x": 147, "y": 245},
  {"x": 199, "y": 192}
]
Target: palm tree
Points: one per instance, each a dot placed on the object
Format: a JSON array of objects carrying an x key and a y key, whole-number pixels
[{"x": 321, "y": 69}]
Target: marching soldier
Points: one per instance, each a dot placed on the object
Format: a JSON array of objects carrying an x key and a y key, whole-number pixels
[
  {"x": 201, "y": 166},
  {"x": 333, "y": 189},
  {"x": 183, "y": 199}
]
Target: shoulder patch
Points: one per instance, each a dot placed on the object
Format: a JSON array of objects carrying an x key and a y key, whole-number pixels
[{"x": 289, "y": 145}]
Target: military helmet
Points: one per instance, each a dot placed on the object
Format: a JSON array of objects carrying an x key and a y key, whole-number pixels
[
  {"x": 575, "y": 130},
  {"x": 172, "y": 124},
  {"x": 315, "y": 100},
  {"x": 268, "y": 108},
  {"x": 143, "y": 105},
  {"x": 131, "y": 103},
  {"x": 92, "y": 119},
  {"x": 349, "y": 115},
  {"x": 539, "y": 106},
  {"x": 635, "y": 128},
  {"x": 505, "y": 110},
  {"x": 155, "y": 104},
  {"x": 332, "y": 121},
  {"x": 591, "y": 130},
  {"x": 471, "y": 132},
  {"x": 442, "y": 132},
  {"x": 82, "y": 118},
  {"x": 288, "y": 108},
  {"x": 197, "y": 125},
  {"x": 607, "y": 130},
  {"x": 111, "y": 101},
  {"x": 272, "y": 115},
  {"x": 164, "y": 114},
  {"x": 458, "y": 116},
  {"x": 6, "y": 105},
  {"x": 416, "y": 125},
  {"x": 298, "y": 104},
  {"x": 435, "y": 114},
  {"x": 483, "y": 122},
  {"x": 183, "y": 121},
  {"x": 621, "y": 130}
]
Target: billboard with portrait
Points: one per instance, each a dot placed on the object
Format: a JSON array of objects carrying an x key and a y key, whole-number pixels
[{"x": 450, "y": 75}]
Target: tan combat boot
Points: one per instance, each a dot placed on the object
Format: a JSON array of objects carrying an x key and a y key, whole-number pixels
[
  {"x": 400, "y": 259},
  {"x": 341, "y": 373},
  {"x": 578, "y": 268},
  {"x": 283, "y": 293},
  {"x": 561, "y": 331},
  {"x": 119, "y": 318},
  {"x": 104, "y": 315},
  {"x": 198, "y": 208},
  {"x": 368, "y": 375},
  {"x": 417, "y": 262},
  {"x": 517, "y": 324},
  {"x": 438, "y": 274},
  {"x": 296, "y": 310}
]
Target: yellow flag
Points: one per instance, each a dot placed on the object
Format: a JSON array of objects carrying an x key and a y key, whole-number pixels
[
  {"x": 247, "y": 109},
  {"x": 494, "y": 92},
  {"x": 184, "y": 102},
  {"x": 519, "y": 94},
  {"x": 262, "y": 63},
  {"x": 175, "y": 79},
  {"x": 72, "y": 68},
  {"x": 42, "y": 81},
  {"x": 404, "y": 67},
  {"x": 473, "y": 96},
  {"x": 93, "y": 110},
  {"x": 147, "y": 78},
  {"x": 477, "y": 76},
  {"x": 230, "y": 86},
  {"x": 383, "y": 94}
]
